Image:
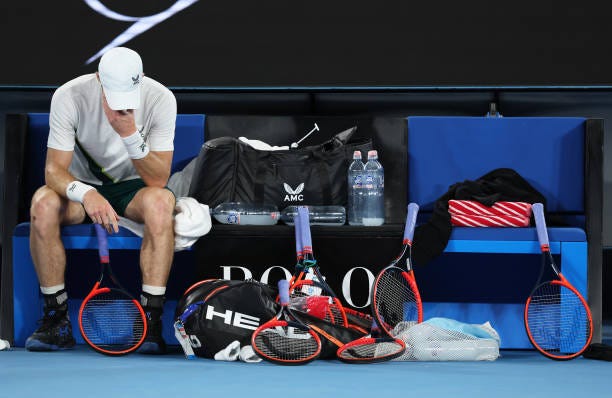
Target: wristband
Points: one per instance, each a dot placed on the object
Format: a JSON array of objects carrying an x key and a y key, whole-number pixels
[
  {"x": 76, "y": 190},
  {"x": 135, "y": 145}
]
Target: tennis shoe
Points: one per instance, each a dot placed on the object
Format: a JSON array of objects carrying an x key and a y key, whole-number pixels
[
  {"x": 54, "y": 332},
  {"x": 154, "y": 343}
]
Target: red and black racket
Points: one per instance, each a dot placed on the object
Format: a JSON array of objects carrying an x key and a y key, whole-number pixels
[
  {"x": 110, "y": 320},
  {"x": 395, "y": 294},
  {"x": 285, "y": 339},
  {"x": 557, "y": 318},
  {"x": 369, "y": 350}
]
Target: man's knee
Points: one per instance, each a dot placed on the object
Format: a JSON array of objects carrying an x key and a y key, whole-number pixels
[
  {"x": 158, "y": 207},
  {"x": 45, "y": 207}
]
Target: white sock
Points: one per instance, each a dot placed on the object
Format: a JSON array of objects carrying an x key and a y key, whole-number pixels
[
  {"x": 52, "y": 289},
  {"x": 154, "y": 290}
]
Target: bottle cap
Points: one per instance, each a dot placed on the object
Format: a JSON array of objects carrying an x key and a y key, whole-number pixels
[
  {"x": 357, "y": 155},
  {"x": 372, "y": 154}
]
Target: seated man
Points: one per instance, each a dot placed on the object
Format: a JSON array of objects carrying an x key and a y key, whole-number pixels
[{"x": 110, "y": 149}]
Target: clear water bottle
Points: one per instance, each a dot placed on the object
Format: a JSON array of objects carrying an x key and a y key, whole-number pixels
[
  {"x": 245, "y": 214},
  {"x": 355, "y": 190},
  {"x": 318, "y": 215},
  {"x": 374, "y": 191}
]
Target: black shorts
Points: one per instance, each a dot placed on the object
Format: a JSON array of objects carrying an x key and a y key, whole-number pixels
[{"x": 120, "y": 194}]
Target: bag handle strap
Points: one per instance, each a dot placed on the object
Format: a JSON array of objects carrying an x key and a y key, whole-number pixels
[
  {"x": 260, "y": 183},
  {"x": 325, "y": 182}
]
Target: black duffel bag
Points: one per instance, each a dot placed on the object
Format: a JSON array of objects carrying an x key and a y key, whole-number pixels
[
  {"x": 216, "y": 312},
  {"x": 230, "y": 170}
]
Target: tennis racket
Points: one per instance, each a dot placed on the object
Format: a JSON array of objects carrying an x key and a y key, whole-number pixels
[
  {"x": 557, "y": 318},
  {"x": 110, "y": 320},
  {"x": 285, "y": 339},
  {"x": 395, "y": 295},
  {"x": 310, "y": 263},
  {"x": 369, "y": 350},
  {"x": 298, "y": 273}
]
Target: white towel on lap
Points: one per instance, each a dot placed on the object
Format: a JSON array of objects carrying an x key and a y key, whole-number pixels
[{"x": 191, "y": 221}]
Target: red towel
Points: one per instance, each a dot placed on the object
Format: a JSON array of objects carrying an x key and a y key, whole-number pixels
[{"x": 469, "y": 213}]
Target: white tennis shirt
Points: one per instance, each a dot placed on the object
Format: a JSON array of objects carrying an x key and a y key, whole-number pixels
[{"x": 77, "y": 123}]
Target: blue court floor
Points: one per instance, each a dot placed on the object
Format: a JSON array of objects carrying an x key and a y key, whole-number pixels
[{"x": 84, "y": 373}]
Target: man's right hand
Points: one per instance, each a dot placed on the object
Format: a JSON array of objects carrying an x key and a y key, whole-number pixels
[{"x": 100, "y": 211}]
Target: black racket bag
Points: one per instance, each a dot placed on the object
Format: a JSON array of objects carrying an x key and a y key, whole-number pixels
[{"x": 217, "y": 312}]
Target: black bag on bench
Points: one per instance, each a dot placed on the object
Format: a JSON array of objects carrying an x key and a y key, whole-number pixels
[{"x": 230, "y": 170}]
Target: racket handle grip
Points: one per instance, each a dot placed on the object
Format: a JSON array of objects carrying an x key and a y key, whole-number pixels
[
  {"x": 298, "y": 234},
  {"x": 102, "y": 242},
  {"x": 413, "y": 210},
  {"x": 283, "y": 291},
  {"x": 540, "y": 222},
  {"x": 305, "y": 227}
]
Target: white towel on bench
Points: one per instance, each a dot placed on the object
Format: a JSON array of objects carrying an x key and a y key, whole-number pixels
[{"x": 191, "y": 221}]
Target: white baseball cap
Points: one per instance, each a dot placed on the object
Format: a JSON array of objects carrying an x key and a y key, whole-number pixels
[{"x": 120, "y": 72}]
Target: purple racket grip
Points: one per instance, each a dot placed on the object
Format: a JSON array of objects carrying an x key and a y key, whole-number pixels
[
  {"x": 102, "y": 243},
  {"x": 305, "y": 226},
  {"x": 411, "y": 217},
  {"x": 297, "y": 222},
  {"x": 283, "y": 291},
  {"x": 538, "y": 215}
]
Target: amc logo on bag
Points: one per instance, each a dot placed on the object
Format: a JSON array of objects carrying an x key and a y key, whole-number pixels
[{"x": 293, "y": 195}]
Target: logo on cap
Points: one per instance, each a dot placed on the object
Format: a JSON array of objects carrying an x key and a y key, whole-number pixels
[{"x": 136, "y": 80}]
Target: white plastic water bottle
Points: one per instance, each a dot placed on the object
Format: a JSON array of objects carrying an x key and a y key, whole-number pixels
[
  {"x": 245, "y": 214},
  {"x": 374, "y": 191},
  {"x": 355, "y": 190},
  {"x": 318, "y": 215}
]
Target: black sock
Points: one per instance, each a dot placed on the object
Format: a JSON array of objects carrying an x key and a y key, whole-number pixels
[
  {"x": 56, "y": 303},
  {"x": 153, "y": 305}
]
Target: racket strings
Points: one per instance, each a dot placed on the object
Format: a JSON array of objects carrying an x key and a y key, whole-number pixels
[
  {"x": 286, "y": 343},
  {"x": 558, "y": 321},
  {"x": 112, "y": 321},
  {"x": 394, "y": 299},
  {"x": 368, "y": 349}
]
